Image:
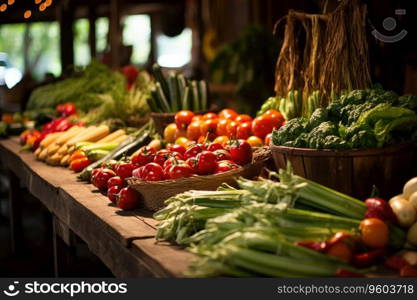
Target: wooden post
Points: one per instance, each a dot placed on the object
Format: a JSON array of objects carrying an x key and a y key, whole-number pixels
[
  {"x": 63, "y": 250},
  {"x": 115, "y": 32},
  {"x": 15, "y": 214},
  {"x": 66, "y": 20},
  {"x": 92, "y": 31}
]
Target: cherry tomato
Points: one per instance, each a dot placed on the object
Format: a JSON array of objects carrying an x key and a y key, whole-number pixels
[
  {"x": 228, "y": 113},
  {"x": 222, "y": 140},
  {"x": 80, "y": 164},
  {"x": 206, "y": 163},
  {"x": 209, "y": 128},
  {"x": 222, "y": 154},
  {"x": 214, "y": 146},
  {"x": 101, "y": 178},
  {"x": 275, "y": 115},
  {"x": 124, "y": 170},
  {"x": 128, "y": 199},
  {"x": 193, "y": 151},
  {"x": 222, "y": 127},
  {"x": 180, "y": 134},
  {"x": 113, "y": 193},
  {"x": 224, "y": 166},
  {"x": 268, "y": 138},
  {"x": 197, "y": 118},
  {"x": 115, "y": 181},
  {"x": 243, "y": 118},
  {"x": 341, "y": 250},
  {"x": 255, "y": 141},
  {"x": 210, "y": 116},
  {"x": 182, "y": 141},
  {"x": 244, "y": 130},
  {"x": 262, "y": 125},
  {"x": 374, "y": 233},
  {"x": 241, "y": 152},
  {"x": 232, "y": 129},
  {"x": 180, "y": 170},
  {"x": 183, "y": 118},
  {"x": 110, "y": 164},
  {"x": 169, "y": 133},
  {"x": 194, "y": 130},
  {"x": 144, "y": 156}
]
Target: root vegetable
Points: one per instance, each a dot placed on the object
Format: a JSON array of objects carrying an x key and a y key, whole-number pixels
[
  {"x": 412, "y": 235},
  {"x": 404, "y": 210},
  {"x": 410, "y": 187},
  {"x": 413, "y": 199}
]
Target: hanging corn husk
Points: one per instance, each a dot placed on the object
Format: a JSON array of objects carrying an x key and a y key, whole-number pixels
[{"x": 326, "y": 53}]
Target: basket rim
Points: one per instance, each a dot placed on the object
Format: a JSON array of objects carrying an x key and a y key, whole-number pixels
[{"x": 346, "y": 152}]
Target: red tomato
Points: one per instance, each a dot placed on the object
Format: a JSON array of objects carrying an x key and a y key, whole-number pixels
[
  {"x": 101, "y": 178},
  {"x": 241, "y": 152},
  {"x": 178, "y": 149},
  {"x": 197, "y": 118},
  {"x": 128, "y": 199},
  {"x": 144, "y": 156},
  {"x": 221, "y": 129},
  {"x": 183, "y": 118},
  {"x": 193, "y": 163},
  {"x": 113, "y": 193},
  {"x": 124, "y": 170},
  {"x": 194, "y": 130},
  {"x": 138, "y": 172},
  {"x": 193, "y": 151},
  {"x": 232, "y": 129},
  {"x": 209, "y": 128},
  {"x": 342, "y": 251},
  {"x": 153, "y": 172},
  {"x": 243, "y": 118},
  {"x": 210, "y": 116},
  {"x": 228, "y": 113},
  {"x": 115, "y": 181},
  {"x": 80, "y": 164},
  {"x": 180, "y": 170},
  {"x": 95, "y": 171},
  {"x": 222, "y": 154},
  {"x": 268, "y": 138},
  {"x": 206, "y": 163},
  {"x": 244, "y": 130},
  {"x": 262, "y": 126},
  {"x": 225, "y": 165},
  {"x": 161, "y": 156},
  {"x": 275, "y": 115},
  {"x": 77, "y": 154},
  {"x": 214, "y": 146}
]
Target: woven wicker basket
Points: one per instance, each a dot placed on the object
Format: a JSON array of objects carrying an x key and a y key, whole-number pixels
[{"x": 154, "y": 193}]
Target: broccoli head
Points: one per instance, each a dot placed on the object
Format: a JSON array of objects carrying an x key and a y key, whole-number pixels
[
  {"x": 319, "y": 116},
  {"x": 335, "y": 142},
  {"x": 289, "y": 132},
  {"x": 316, "y": 138},
  {"x": 363, "y": 139}
]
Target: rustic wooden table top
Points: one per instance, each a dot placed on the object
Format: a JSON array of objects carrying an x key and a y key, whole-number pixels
[{"x": 123, "y": 240}]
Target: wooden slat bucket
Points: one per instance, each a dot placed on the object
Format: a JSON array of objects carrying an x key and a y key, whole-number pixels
[{"x": 353, "y": 172}]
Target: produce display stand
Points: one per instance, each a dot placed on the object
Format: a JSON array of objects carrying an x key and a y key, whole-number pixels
[{"x": 123, "y": 241}]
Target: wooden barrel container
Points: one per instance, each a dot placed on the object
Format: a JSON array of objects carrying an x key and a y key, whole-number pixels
[
  {"x": 161, "y": 120},
  {"x": 353, "y": 172}
]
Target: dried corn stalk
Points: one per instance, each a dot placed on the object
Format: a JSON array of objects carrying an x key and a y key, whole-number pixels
[{"x": 328, "y": 53}]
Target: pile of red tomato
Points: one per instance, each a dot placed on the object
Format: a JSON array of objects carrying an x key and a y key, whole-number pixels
[
  {"x": 176, "y": 162},
  {"x": 222, "y": 127}
]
